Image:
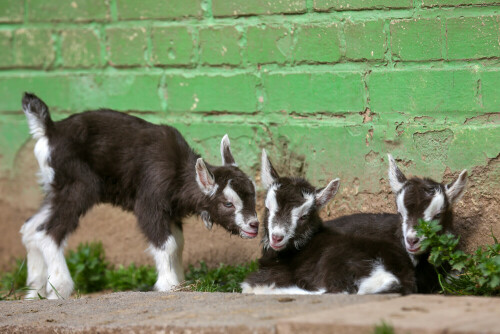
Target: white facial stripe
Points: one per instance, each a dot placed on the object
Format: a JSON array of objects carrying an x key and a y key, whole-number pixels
[
  {"x": 299, "y": 212},
  {"x": 435, "y": 206},
  {"x": 233, "y": 197}
]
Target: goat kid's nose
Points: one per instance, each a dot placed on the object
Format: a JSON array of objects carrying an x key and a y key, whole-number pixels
[
  {"x": 412, "y": 241},
  {"x": 277, "y": 238}
]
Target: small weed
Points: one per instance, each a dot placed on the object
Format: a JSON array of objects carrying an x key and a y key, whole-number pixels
[
  {"x": 12, "y": 284},
  {"x": 225, "y": 278},
  {"x": 383, "y": 328},
  {"x": 478, "y": 273},
  {"x": 133, "y": 277}
]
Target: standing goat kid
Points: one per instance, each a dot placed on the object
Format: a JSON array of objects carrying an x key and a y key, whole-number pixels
[
  {"x": 416, "y": 199},
  {"x": 301, "y": 256},
  {"x": 105, "y": 156}
]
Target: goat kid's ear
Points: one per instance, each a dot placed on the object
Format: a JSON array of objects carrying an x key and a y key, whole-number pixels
[
  {"x": 225, "y": 152},
  {"x": 205, "y": 178},
  {"x": 456, "y": 189},
  {"x": 396, "y": 178},
  {"x": 268, "y": 174},
  {"x": 326, "y": 194}
]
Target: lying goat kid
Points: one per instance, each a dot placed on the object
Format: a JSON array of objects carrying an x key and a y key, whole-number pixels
[
  {"x": 416, "y": 199},
  {"x": 106, "y": 156},
  {"x": 301, "y": 256}
]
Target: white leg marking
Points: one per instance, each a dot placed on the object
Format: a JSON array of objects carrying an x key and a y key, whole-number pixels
[
  {"x": 273, "y": 290},
  {"x": 380, "y": 280},
  {"x": 169, "y": 261},
  {"x": 37, "y": 269},
  {"x": 59, "y": 282}
]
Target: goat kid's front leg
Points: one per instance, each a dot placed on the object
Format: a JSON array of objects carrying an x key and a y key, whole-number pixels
[{"x": 168, "y": 258}]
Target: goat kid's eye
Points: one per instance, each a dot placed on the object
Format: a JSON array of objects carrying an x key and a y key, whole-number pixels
[
  {"x": 438, "y": 216},
  {"x": 228, "y": 205},
  {"x": 304, "y": 217}
]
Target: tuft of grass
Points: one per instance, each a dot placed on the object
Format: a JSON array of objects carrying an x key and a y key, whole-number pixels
[
  {"x": 383, "y": 328},
  {"x": 91, "y": 272},
  {"x": 225, "y": 278},
  {"x": 478, "y": 273}
]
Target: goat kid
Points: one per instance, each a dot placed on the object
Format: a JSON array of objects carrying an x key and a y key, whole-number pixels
[
  {"x": 416, "y": 199},
  {"x": 301, "y": 256},
  {"x": 105, "y": 156}
]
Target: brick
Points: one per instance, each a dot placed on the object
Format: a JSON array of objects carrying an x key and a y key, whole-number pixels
[
  {"x": 452, "y": 3},
  {"x": 472, "y": 37},
  {"x": 317, "y": 43},
  {"x": 11, "y": 11},
  {"x": 256, "y": 7},
  {"x": 127, "y": 46},
  {"x": 490, "y": 90},
  {"x": 68, "y": 11},
  {"x": 33, "y": 48},
  {"x": 365, "y": 40},
  {"x": 155, "y": 9},
  {"x": 416, "y": 39},
  {"x": 326, "y": 5},
  {"x": 423, "y": 91},
  {"x": 268, "y": 44},
  {"x": 80, "y": 48},
  {"x": 172, "y": 45},
  {"x": 78, "y": 92},
  {"x": 7, "y": 58},
  {"x": 220, "y": 45},
  {"x": 314, "y": 92},
  {"x": 207, "y": 93}
]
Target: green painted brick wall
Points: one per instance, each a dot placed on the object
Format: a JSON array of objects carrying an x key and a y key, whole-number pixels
[{"x": 327, "y": 86}]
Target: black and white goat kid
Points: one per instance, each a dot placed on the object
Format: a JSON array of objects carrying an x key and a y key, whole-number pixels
[
  {"x": 416, "y": 199},
  {"x": 301, "y": 256},
  {"x": 105, "y": 156}
]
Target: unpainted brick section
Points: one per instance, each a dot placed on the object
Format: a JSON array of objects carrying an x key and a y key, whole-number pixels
[
  {"x": 423, "y": 91},
  {"x": 416, "y": 39},
  {"x": 207, "y": 93},
  {"x": 327, "y": 5},
  {"x": 11, "y": 11},
  {"x": 7, "y": 58},
  {"x": 319, "y": 43},
  {"x": 68, "y": 11},
  {"x": 222, "y": 8},
  {"x": 127, "y": 46},
  {"x": 220, "y": 45},
  {"x": 268, "y": 44},
  {"x": 80, "y": 48},
  {"x": 159, "y": 9},
  {"x": 490, "y": 91},
  {"x": 473, "y": 37},
  {"x": 172, "y": 45},
  {"x": 33, "y": 48},
  {"x": 313, "y": 92},
  {"x": 365, "y": 40},
  {"x": 448, "y": 3}
]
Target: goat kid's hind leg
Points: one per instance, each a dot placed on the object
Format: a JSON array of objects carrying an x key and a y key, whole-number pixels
[
  {"x": 168, "y": 259},
  {"x": 37, "y": 268}
]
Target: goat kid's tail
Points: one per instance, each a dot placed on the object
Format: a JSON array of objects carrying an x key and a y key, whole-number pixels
[{"x": 37, "y": 114}]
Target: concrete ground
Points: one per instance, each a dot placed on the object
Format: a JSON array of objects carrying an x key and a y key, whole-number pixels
[{"x": 191, "y": 313}]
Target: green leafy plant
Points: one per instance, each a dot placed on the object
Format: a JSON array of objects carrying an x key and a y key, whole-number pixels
[
  {"x": 225, "y": 278},
  {"x": 478, "y": 273},
  {"x": 12, "y": 284},
  {"x": 133, "y": 277},
  {"x": 88, "y": 267},
  {"x": 383, "y": 328}
]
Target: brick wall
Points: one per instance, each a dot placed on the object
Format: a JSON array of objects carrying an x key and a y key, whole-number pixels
[{"x": 328, "y": 86}]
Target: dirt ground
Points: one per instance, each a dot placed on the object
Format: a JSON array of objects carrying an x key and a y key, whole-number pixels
[{"x": 476, "y": 217}]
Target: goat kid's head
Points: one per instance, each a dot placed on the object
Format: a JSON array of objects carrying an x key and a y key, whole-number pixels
[
  {"x": 231, "y": 195},
  {"x": 423, "y": 199},
  {"x": 292, "y": 208}
]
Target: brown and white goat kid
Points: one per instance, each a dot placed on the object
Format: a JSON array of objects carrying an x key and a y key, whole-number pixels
[
  {"x": 105, "y": 156},
  {"x": 301, "y": 256},
  {"x": 416, "y": 199}
]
